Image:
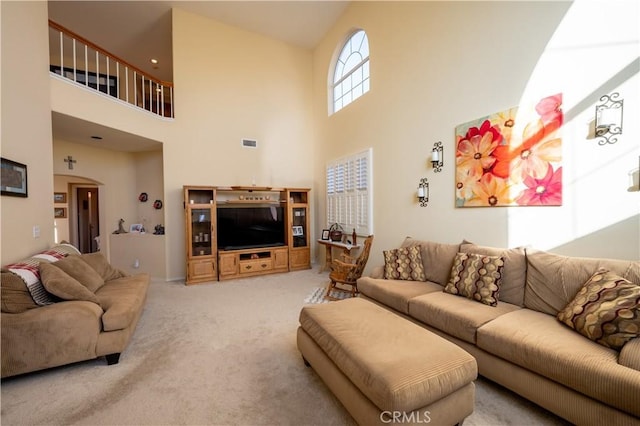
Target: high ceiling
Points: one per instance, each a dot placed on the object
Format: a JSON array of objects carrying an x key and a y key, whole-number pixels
[{"x": 137, "y": 31}]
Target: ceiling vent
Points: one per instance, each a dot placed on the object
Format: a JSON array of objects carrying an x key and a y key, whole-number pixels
[{"x": 249, "y": 143}]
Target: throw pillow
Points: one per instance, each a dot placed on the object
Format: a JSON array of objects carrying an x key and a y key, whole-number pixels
[
  {"x": 477, "y": 277},
  {"x": 59, "y": 283},
  {"x": 100, "y": 264},
  {"x": 81, "y": 271},
  {"x": 16, "y": 297},
  {"x": 404, "y": 264},
  {"x": 606, "y": 310}
]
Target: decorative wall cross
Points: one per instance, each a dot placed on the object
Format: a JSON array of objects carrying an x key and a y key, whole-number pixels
[{"x": 70, "y": 161}]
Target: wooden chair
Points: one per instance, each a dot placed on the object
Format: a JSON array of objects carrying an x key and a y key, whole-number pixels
[{"x": 347, "y": 272}]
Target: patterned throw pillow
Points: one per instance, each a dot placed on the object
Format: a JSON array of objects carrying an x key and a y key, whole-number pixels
[
  {"x": 404, "y": 264},
  {"x": 606, "y": 310},
  {"x": 476, "y": 277}
]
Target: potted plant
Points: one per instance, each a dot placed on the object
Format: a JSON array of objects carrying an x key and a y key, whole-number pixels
[{"x": 335, "y": 232}]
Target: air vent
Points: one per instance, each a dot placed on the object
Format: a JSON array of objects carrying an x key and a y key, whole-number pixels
[{"x": 249, "y": 143}]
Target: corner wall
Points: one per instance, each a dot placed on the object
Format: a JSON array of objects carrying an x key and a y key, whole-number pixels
[{"x": 26, "y": 127}]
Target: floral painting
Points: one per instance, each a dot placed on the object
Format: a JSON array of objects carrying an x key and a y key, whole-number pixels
[{"x": 511, "y": 158}]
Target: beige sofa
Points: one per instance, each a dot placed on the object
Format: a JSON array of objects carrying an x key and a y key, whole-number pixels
[
  {"x": 81, "y": 308},
  {"x": 520, "y": 343}
]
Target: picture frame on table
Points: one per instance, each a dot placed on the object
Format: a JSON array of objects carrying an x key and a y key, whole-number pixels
[
  {"x": 325, "y": 235},
  {"x": 13, "y": 179}
]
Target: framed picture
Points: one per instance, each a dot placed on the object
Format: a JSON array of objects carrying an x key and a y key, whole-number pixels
[
  {"x": 135, "y": 228},
  {"x": 325, "y": 234},
  {"x": 13, "y": 179},
  {"x": 298, "y": 231},
  {"x": 60, "y": 212},
  {"x": 59, "y": 197}
]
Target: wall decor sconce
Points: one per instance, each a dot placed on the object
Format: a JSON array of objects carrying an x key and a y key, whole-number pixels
[
  {"x": 436, "y": 157},
  {"x": 608, "y": 123},
  {"x": 423, "y": 192}
]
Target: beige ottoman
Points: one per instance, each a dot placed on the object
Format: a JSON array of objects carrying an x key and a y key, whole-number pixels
[{"x": 386, "y": 369}]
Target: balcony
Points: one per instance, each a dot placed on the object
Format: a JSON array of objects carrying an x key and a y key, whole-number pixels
[{"x": 74, "y": 58}]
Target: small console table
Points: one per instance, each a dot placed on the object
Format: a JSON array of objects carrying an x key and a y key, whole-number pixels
[{"x": 346, "y": 249}]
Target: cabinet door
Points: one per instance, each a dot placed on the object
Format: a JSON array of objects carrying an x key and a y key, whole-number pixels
[
  {"x": 281, "y": 259},
  {"x": 228, "y": 264},
  {"x": 200, "y": 235},
  {"x": 201, "y": 270},
  {"x": 299, "y": 224}
]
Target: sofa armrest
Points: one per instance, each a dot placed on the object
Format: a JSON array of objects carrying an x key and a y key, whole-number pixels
[
  {"x": 377, "y": 272},
  {"x": 630, "y": 354},
  {"x": 49, "y": 336}
]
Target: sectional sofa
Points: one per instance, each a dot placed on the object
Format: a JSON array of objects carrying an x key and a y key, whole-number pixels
[
  {"x": 560, "y": 331},
  {"x": 60, "y": 307}
]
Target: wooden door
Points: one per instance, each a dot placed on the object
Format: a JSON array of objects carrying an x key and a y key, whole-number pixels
[{"x": 88, "y": 219}]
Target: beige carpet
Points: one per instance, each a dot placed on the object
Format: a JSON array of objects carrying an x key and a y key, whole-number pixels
[{"x": 222, "y": 354}]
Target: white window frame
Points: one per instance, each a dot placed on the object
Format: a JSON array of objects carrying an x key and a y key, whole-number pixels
[
  {"x": 342, "y": 80},
  {"x": 350, "y": 192}
]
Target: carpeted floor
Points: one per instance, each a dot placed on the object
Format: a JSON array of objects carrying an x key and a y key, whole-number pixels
[{"x": 214, "y": 354}]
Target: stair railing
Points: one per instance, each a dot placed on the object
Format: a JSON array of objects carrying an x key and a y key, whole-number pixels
[{"x": 76, "y": 58}]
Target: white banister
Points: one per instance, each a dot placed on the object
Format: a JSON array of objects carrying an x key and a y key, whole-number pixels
[{"x": 105, "y": 82}]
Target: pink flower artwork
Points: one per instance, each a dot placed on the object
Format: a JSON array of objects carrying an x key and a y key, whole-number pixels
[{"x": 511, "y": 158}]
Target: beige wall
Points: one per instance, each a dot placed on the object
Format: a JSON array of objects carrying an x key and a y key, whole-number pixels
[
  {"x": 435, "y": 65},
  {"x": 26, "y": 127},
  {"x": 233, "y": 84}
]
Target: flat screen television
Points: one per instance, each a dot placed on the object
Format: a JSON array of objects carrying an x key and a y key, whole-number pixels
[{"x": 243, "y": 227}]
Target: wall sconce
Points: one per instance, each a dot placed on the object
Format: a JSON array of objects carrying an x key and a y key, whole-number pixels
[
  {"x": 423, "y": 192},
  {"x": 608, "y": 123},
  {"x": 436, "y": 157}
]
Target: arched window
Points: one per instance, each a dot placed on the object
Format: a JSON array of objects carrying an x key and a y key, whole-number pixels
[{"x": 351, "y": 72}]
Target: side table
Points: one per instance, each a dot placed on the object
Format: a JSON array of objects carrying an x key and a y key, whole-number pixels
[{"x": 346, "y": 249}]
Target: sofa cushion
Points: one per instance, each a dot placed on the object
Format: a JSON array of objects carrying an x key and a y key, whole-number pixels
[
  {"x": 514, "y": 272},
  {"x": 81, "y": 271},
  {"x": 630, "y": 354},
  {"x": 457, "y": 316},
  {"x": 553, "y": 280},
  {"x": 539, "y": 343},
  {"x": 15, "y": 294},
  {"x": 28, "y": 270},
  {"x": 59, "y": 283},
  {"x": 404, "y": 263},
  {"x": 436, "y": 257},
  {"x": 476, "y": 277},
  {"x": 395, "y": 293},
  {"x": 122, "y": 299},
  {"x": 100, "y": 264},
  {"x": 605, "y": 310}
]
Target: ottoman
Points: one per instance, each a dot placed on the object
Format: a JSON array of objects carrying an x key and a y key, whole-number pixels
[{"x": 385, "y": 369}]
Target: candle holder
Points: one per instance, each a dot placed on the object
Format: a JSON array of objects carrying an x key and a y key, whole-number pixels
[
  {"x": 423, "y": 192},
  {"x": 608, "y": 122},
  {"x": 436, "y": 157}
]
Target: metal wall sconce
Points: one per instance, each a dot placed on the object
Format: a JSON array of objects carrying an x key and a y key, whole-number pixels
[
  {"x": 608, "y": 123},
  {"x": 436, "y": 157},
  {"x": 423, "y": 192}
]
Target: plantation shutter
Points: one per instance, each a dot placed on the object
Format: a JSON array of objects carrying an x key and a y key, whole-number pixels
[{"x": 349, "y": 194}]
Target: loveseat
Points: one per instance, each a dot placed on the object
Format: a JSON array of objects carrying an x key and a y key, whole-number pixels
[
  {"x": 61, "y": 307},
  {"x": 525, "y": 315}
]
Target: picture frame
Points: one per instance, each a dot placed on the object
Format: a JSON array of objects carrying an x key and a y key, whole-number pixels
[
  {"x": 135, "y": 228},
  {"x": 298, "y": 231},
  {"x": 325, "y": 235},
  {"x": 60, "y": 212},
  {"x": 60, "y": 197},
  {"x": 13, "y": 178}
]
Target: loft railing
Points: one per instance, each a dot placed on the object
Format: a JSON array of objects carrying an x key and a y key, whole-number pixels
[{"x": 76, "y": 58}]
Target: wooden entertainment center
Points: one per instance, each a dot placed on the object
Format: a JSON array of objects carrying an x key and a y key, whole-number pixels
[{"x": 242, "y": 231}]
